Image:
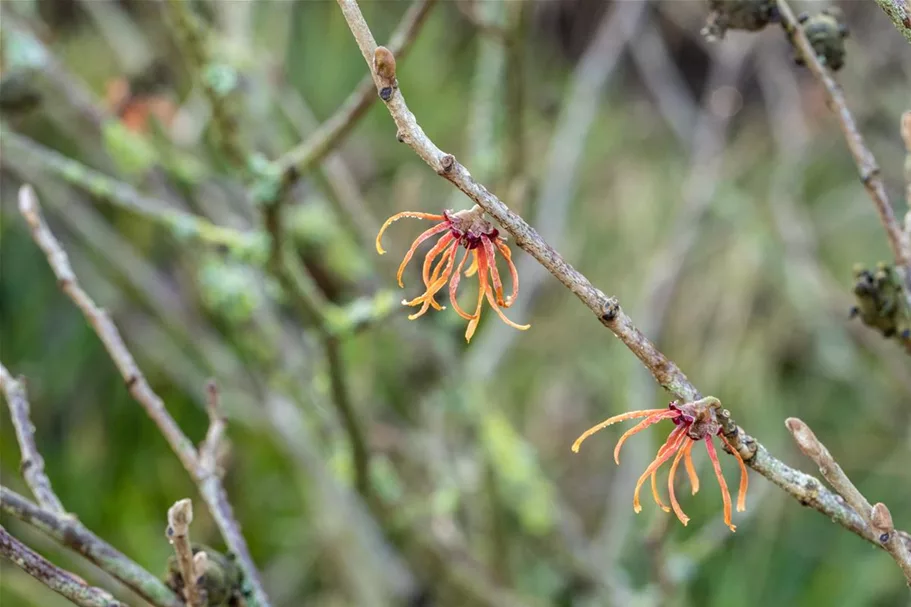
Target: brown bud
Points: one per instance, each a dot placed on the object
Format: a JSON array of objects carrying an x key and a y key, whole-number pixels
[{"x": 384, "y": 64}]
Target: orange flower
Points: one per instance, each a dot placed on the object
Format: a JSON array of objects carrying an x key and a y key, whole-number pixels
[
  {"x": 135, "y": 111},
  {"x": 481, "y": 241},
  {"x": 695, "y": 421}
]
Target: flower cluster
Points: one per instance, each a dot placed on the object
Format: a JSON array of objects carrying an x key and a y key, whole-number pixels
[
  {"x": 694, "y": 421},
  {"x": 467, "y": 229}
]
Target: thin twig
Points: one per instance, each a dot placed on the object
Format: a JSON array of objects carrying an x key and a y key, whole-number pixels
[
  {"x": 59, "y": 580},
  {"x": 802, "y": 487},
  {"x": 209, "y": 483},
  {"x": 894, "y": 541},
  {"x": 899, "y": 11},
  {"x": 32, "y": 466},
  {"x": 828, "y": 467},
  {"x": 322, "y": 141},
  {"x": 180, "y": 515},
  {"x": 867, "y": 167},
  {"x": 208, "y": 450},
  {"x": 69, "y": 532},
  {"x": 879, "y": 519},
  {"x": 905, "y": 128}
]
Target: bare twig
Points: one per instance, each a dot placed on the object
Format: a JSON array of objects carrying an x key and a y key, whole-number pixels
[
  {"x": 828, "y": 467},
  {"x": 899, "y": 11},
  {"x": 32, "y": 463},
  {"x": 208, "y": 450},
  {"x": 180, "y": 515},
  {"x": 802, "y": 487},
  {"x": 209, "y": 483},
  {"x": 59, "y": 580},
  {"x": 905, "y": 129},
  {"x": 895, "y": 543},
  {"x": 878, "y": 518},
  {"x": 69, "y": 532},
  {"x": 322, "y": 141},
  {"x": 867, "y": 167}
]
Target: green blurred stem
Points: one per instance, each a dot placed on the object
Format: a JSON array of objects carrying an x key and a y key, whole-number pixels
[
  {"x": 59, "y": 580},
  {"x": 68, "y": 531},
  {"x": 181, "y": 225},
  {"x": 304, "y": 295},
  {"x": 192, "y": 34},
  {"x": 302, "y": 158}
]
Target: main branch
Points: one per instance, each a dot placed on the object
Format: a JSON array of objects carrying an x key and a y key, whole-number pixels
[{"x": 803, "y": 487}]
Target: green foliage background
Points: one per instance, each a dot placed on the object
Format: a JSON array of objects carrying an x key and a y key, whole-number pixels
[{"x": 751, "y": 322}]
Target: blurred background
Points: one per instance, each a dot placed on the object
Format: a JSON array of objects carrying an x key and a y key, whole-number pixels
[{"x": 706, "y": 185}]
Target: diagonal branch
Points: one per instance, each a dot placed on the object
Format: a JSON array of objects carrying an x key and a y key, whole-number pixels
[
  {"x": 69, "y": 532},
  {"x": 32, "y": 463},
  {"x": 59, "y": 580},
  {"x": 867, "y": 167},
  {"x": 800, "y": 486},
  {"x": 209, "y": 484}
]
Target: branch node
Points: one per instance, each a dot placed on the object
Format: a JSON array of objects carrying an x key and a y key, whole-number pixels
[
  {"x": 447, "y": 162},
  {"x": 611, "y": 310}
]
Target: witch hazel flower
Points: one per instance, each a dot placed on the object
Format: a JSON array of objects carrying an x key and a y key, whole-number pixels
[
  {"x": 466, "y": 230},
  {"x": 694, "y": 421}
]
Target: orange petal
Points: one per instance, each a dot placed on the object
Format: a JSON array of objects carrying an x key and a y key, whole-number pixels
[
  {"x": 744, "y": 478},
  {"x": 691, "y": 470},
  {"x": 432, "y": 254},
  {"x": 454, "y": 287},
  {"x": 446, "y": 261},
  {"x": 652, "y": 419},
  {"x": 483, "y": 264},
  {"x": 473, "y": 323},
  {"x": 490, "y": 254},
  {"x": 664, "y": 454},
  {"x": 611, "y": 421},
  {"x": 396, "y": 217},
  {"x": 473, "y": 267},
  {"x": 655, "y": 495},
  {"x": 507, "y": 255},
  {"x": 725, "y": 494},
  {"x": 427, "y": 299},
  {"x": 424, "y": 236},
  {"x": 670, "y": 480}
]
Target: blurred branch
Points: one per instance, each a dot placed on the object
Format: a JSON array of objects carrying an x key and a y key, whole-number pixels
[
  {"x": 209, "y": 484},
  {"x": 32, "y": 466},
  {"x": 900, "y": 13},
  {"x": 180, "y": 224},
  {"x": 565, "y": 154},
  {"x": 866, "y": 164},
  {"x": 192, "y": 35},
  {"x": 905, "y": 129},
  {"x": 60, "y": 581},
  {"x": 877, "y": 517},
  {"x": 322, "y": 141},
  {"x": 802, "y": 487},
  {"x": 67, "y": 531},
  {"x": 208, "y": 450},
  {"x": 180, "y": 515}
]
